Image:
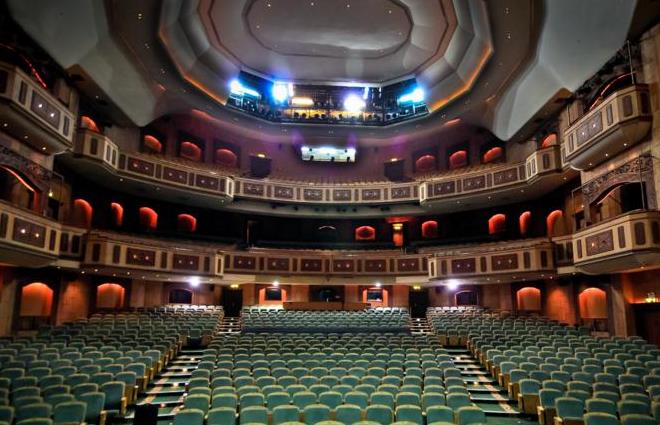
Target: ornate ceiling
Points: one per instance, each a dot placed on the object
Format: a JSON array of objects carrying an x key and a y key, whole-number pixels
[{"x": 495, "y": 65}]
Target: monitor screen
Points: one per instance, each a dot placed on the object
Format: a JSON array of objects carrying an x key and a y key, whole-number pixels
[
  {"x": 273, "y": 294},
  {"x": 375, "y": 295}
]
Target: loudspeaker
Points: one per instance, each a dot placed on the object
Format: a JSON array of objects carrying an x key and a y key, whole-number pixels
[
  {"x": 394, "y": 170},
  {"x": 146, "y": 414},
  {"x": 259, "y": 167}
]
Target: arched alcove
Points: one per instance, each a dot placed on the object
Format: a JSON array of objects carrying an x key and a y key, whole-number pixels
[
  {"x": 593, "y": 303},
  {"x": 425, "y": 163},
  {"x": 82, "y": 213},
  {"x": 186, "y": 223},
  {"x": 492, "y": 155},
  {"x": 110, "y": 296},
  {"x": 524, "y": 222},
  {"x": 458, "y": 159},
  {"x": 36, "y": 300},
  {"x": 430, "y": 229},
  {"x": 365, "y": 233},
  {"x": 549, "y": 140},
  {"x": 497, "y": 224},
  {"x": 89, "y": 124},
  {"x": 152, "y": 144},
  {"x": 117, "y": 213},
  {"x": 148, "y": 219},
  {"x": 466, "y": 297},
  {"x": 190, "y": 151},
  {"x": 16, "y": 189},
  {"x": 528, "y": 299},
  {"x": 226, "y": 158},
  {"x": 554, "y": 223}
]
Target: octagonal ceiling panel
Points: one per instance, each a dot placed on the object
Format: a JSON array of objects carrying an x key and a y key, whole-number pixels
[{"x": 445, "y": 43}]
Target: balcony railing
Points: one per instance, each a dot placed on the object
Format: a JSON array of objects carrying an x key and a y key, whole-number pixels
[
  {"x": 491, "y": 180},
  {"x": 114, "y": 251},
  {"x": 504, "y": 258},
  {"x": 32, "y": 114},
  {"x": 32, "y": 240},
  {"x": 627, "y": 242},
  {"x": 95, "y": 146},
  {"x": 149, "y": 168},
  {"x": 620, "y": 121}
]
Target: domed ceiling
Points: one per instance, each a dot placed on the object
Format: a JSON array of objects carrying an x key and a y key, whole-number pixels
[{"x": 499, "y": 65}]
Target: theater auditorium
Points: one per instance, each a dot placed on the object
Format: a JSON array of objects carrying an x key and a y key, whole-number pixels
[{"x": 329, "y": 212}]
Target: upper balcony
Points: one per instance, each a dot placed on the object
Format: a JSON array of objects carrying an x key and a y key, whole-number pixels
[
  {"x": 137, "y": 167},
  {"x": 618, "y": 122},
  {"x": 628, "y": 242},
  {"x": 484, "y": 184},
  {"x": 32, "y": 114}
]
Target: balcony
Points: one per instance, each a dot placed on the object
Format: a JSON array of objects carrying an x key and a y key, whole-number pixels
[
  {"x": 625, "y": 243},
  {"x": 489, "y": 262},
  {"x": 620, "y": 121},
  {"x": 174, "y": 178},
  {"x": 541, "y": 170},
  {"x": 30, "y": 240},
  {"x": 110, "y": 252},
  {"x": 32, "y": 114}
]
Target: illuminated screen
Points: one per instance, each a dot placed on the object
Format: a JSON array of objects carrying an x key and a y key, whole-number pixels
[
  {"x": 273, "y": 294},
  {"x": 327, "y": 154},
  {"x": 375, "y": 295}
]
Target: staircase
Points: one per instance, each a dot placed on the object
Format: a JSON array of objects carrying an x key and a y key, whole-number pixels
[
  {"x": 484, "y": 390},
  {"x": 169, "y": 386},
  {"x": 229, "y": 325},
  {"x": 420, "y": 326}
]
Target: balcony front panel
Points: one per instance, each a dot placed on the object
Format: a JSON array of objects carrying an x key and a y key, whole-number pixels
[
  {"x": 325, "y": 263},
  {"x": 493, "y": 259},
  {"x": 114, "y": 251},
  {"x": 627, "y": 242},
  {"x": 32, "y": 114},
  {"x": 620, "y": 121},
  {"x": 340, "y": 194},
  {"x": 492, "y": 179},
  {"x": 100, "y": 149},
  {"x": 31, "y": 240}
]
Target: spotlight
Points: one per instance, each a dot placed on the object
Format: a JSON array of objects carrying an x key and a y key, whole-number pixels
[
  {"x": 280, "y": 92},
  {"x": 452, "y": 284},
  {"x": 378, "y": 284},
  {"x": 239, "y": 89},
  {"x": 353, "y": 103},
  {"x": 415, "y": 96},
  {"x": 276, "y": 283},
  {"x": 194, "y": 281}
]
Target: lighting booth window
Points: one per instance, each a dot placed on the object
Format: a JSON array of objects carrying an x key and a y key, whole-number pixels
[
  {"x": 374, "y": 295},
  {"x": 273, "y": 294}
]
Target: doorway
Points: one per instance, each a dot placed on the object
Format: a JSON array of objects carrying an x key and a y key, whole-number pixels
[
  {"x": 180, "y": 296},
  {"x": 232, "y": 301},
  {"x": 418, "y": 300},
  {"x": 466, "y": 298}
]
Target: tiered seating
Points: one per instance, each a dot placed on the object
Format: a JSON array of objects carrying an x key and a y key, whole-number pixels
[
  {"x": 558, "y": 371},
  {"x": 91, "y": 369},
  {"x": 257, "y": 319},
  {"x": 277, "y": 378}
]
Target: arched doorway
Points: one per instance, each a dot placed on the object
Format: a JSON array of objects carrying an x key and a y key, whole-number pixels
[
  {"x": 110, "y": 296},
  {"x": 180, "y": 296}
]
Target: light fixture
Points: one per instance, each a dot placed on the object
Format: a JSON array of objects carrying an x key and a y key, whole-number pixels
[
  {"x": 281, "y": 92},
  {"x": 239, "y": 89},
  {"x": 261, "y": 155},
  {"x": 415, "y": 96},
  {"x": 302, "y": 101},
  {"x": 417, "y": 287},
  {"x": 453, "y": 284},
  {"x": 276, "y": 283},
  {"x": 378, "y": 284},
  {"x": 353, "y": 103},
  {"x": 194, "y": 281},
  {"x": 234, "y": 286}
]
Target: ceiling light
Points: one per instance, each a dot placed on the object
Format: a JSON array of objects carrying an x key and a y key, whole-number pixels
[
  {"x": 193, "y": 281},
  {"x": 378, "y": 284},
  {"x": 453, "y": 284},
  {"x": 276, "y": 283},
  {"x": 353, "y": 103},
  {"x": 302, "y": 101}
]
